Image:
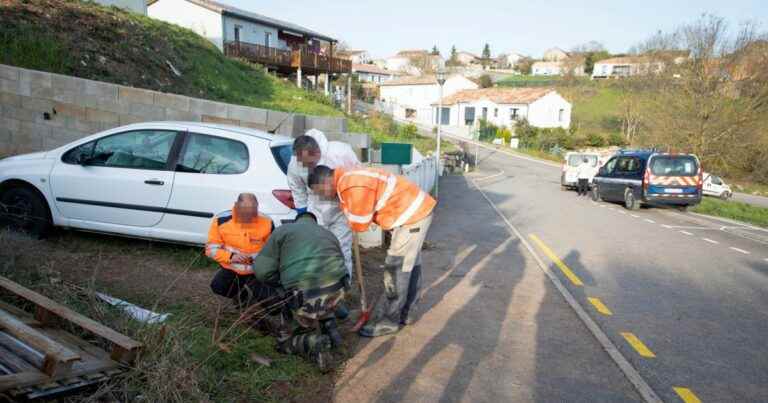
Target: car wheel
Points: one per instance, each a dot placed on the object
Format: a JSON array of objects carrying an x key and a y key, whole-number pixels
[
  {"x": 23, "y": 209},
  {"x": 725, "y": 196},
  {"x": 630, "y": 201},
  {"x": 595, "y": 193}
]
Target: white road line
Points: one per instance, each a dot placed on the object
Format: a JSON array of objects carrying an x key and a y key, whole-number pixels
[
  {"x": 622, "y": 212},
  {"x": 635, "y": 216},
  {"x": 740, "y": 250},
  {"x": 650, "y": 221},
  {"x": 602, "y": 205},
  {"x": 710, "y": 241},
  {"x": 685, "y": 232},
  {"x": 667, "y": 226},
  {"x": 501, "y": 172}
]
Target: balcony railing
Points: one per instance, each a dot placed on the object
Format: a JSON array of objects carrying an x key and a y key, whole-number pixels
[{"x": 309, "y": 61}]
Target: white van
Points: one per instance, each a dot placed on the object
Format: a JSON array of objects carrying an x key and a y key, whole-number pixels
[
  {"x": 715, "y": 186},
  {"x": 569, "y": 176}
]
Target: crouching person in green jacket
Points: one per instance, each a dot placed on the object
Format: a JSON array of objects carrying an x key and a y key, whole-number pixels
[{"x": 306, "y": 263}]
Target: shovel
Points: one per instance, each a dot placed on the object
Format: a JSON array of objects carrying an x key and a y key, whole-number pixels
[{"x": 365, "y": 310}]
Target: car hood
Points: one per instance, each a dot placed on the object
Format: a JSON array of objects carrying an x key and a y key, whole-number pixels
[{"x": 26, "y": 157}]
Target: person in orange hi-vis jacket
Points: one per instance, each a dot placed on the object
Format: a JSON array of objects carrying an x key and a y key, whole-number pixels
[
  {"x": 235, "y": 238},
  {"x": 366, "y": 196}
]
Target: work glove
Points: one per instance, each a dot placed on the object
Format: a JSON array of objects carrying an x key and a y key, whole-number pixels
[{"x": 301, "y": 210}]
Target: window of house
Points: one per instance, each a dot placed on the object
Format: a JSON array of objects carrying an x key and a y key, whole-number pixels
[
  {"x": 444, "y": 117},
  {"x": 237, "y": 33},
  {"x": 485, "y": 113},
  {"x": 469, "y": 116},
  {"x": 495, "y": 112},
  {"x": 410, "y": 113},
  {"x": 560, "y": 115},
  {"x": 514, "y": 114},
  {"x": 267, "y": 39},
  {"x": 204, "y": 154}
]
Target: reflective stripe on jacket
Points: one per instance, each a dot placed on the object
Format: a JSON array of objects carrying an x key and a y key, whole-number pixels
[
  {"x": 227, "y": 237},
  {"x": 373, "y": 195}
]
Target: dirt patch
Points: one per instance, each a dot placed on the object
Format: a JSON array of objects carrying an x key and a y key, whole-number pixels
[{"x": 166, "y": 278}]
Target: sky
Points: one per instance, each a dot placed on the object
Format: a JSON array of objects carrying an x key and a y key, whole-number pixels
[{"x": 527, "y": 27}]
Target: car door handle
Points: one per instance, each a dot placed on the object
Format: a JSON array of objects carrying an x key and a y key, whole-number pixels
[{"x": 155, "y": 182}]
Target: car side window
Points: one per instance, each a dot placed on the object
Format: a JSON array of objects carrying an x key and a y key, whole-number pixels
[
  {"x": 627, "y": 165},
  {"x": 716, "y": 180},
  {"x": 79, "y": 153},
  {"x": 141, "y": 149},
  {"x": 205, "y": 154},
  {"x": 610, "y": 166}
]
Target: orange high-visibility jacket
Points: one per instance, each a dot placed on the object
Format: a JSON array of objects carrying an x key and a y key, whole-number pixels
[
  {"x": 227, "y": 236},
  {"x": 373, "y": 195}
]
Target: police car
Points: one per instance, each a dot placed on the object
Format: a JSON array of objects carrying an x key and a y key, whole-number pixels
[{"x": 649, "y": 177}]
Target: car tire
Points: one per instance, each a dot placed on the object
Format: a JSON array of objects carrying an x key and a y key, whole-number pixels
[
  {"x": 725, "y": 196},
  {"x": 683, "y": 209},
  {"x": 595, "y": 193},
  {"x": 630, "y": 201},
  {"x": 23, "y": 209}
]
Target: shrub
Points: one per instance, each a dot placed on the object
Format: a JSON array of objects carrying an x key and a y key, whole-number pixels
[
  {"x": 595, "y": 140},
  {"x": 409, "y": 131},
  {"x": 504, "y": 134},
  {"x": 616, "y": 139},
  {"x": 487, "y": 130},
  {"x": 486, "y": 81},
  {"x": 528, "y": 135}
]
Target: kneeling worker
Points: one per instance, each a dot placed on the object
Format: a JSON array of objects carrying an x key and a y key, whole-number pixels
[
  {"x": 394, "y": 203},
  {"x": 304, "y": 261},
  {"x": 235, "y": 237}
]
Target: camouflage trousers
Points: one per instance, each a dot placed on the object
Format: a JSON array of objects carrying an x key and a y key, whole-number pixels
[{"x": 300, "y": 332}]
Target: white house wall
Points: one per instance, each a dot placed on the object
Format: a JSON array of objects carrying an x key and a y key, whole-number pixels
[
  {"x": 203, "y": 21},
  {"x": 251, "y": 32},
  {"x": 502, "y": 119},
  {"x": 137, "y": 6},
  {"x": 421, "y": 97},
  {"x": 545, "y": 112}
]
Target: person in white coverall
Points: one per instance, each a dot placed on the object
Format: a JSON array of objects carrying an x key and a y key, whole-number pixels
[{"x": 309, "y": 151}]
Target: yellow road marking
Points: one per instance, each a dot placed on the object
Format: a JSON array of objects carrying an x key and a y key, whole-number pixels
[
  {"x": 600, "y": 306},
  {"x": 638, "y": 345},
  {"x": 687, "y": 395},
  {"x": 559, "y": 263}
]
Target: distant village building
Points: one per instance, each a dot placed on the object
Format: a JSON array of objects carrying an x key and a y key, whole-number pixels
[
  {"x": 627, "y": 66},
  {"x": 508, "y": 60},
  {"x": 137, "y": 6},
  {"x": 559, "y": 68},
  {"x": 356, "y": 56},
  {"x": 370, "y": 73},
  {"x": 504, "y": 107},
  {"x": 554, "y": 55},
  {"x": 466, "y": 58},
  {"x": 411, "y": 98}
]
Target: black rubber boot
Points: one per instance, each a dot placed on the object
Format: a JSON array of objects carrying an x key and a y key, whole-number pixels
[
  {"x": 329, "y": 328},
  {"x": 341, "y": 312}
]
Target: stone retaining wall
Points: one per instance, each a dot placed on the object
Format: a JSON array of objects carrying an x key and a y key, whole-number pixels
[{"x": 41, "y": 111}]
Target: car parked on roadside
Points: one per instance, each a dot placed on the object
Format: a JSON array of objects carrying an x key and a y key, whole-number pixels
[
  {"x": 716, "y": 187},
  {"x": 649, "y": 177},
  {"x": 569, "y": 175},
  {"x": 156, "y": 180}
]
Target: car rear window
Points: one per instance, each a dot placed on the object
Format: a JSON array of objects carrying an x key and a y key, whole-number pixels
[
  {"x": 575, "y": 159},
  {"x": 683, "y": 165},
  {"x": 283, "y": 154}
]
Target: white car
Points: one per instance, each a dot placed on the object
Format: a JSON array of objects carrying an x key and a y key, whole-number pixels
[
  {"x": 156, "y": 180},
  {"x": 569, "y": 175},
  {"x": 715, "y": 186}
]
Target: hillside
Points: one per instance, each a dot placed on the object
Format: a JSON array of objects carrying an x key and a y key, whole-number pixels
[{"x": 87, "y": 40}]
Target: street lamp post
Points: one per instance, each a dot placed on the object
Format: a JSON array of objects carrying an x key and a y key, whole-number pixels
[{"x": 440, "y": 82}]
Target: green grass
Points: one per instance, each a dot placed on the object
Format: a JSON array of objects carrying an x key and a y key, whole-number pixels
[
  {"x": 107, "y": 44},
  {"x": 733, "y": 210},
  {"x": 596, "y": 107},
  {"x": 529, "y": 81}
]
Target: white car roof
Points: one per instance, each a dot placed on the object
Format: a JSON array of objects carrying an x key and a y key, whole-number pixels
[{"x": 273, "y": 138}]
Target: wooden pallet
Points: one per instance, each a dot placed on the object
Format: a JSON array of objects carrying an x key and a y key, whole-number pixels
[{"x": 39, "y": 359}]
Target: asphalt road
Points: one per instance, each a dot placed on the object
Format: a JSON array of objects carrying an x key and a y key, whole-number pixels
[
  {"x": 684, "y": 298},
  {"x": 760, "y": 201}
]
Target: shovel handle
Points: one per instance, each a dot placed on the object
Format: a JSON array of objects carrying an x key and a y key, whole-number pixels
[{"x": 359, "y": 271}]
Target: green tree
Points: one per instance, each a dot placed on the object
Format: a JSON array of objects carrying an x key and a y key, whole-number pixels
[
  {"x": 435, "y": 51},
  {"x": 486, "y": 55},
  {"x": 524, "y": 65},
  {"x": 486, "y": 81},
  {"x": 454, "y": 59}
]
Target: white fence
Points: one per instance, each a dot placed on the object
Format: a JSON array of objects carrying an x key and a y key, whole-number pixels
[{"x": 422, "y": 173}]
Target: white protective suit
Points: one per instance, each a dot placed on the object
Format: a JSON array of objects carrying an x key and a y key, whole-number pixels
[{"x": 333, "y": 154}]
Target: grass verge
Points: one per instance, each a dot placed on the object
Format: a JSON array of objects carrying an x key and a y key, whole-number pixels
[{"x": 733, "y": 210}]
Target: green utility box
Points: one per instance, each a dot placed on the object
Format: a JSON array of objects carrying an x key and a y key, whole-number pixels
[{"x": 396, "y": 153}]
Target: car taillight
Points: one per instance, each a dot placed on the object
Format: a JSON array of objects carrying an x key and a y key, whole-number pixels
[
  {"x": 563, "y": 167},
  {"x": 285, "y": 197},
  {"x": 700, "y": 181}
]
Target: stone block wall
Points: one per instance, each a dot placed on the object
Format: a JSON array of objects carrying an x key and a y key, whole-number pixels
[{"x": 41, "y": 111}]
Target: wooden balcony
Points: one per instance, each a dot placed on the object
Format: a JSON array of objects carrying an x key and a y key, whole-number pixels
[{"x": 288, "y": 60}]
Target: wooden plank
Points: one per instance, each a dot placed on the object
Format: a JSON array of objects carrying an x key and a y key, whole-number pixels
[
  {"x": 25, "y": 379},
  {"x": 56, "y": 355},
  {"x": 61, "y": 311},
  {"x": 14, "y": 362},
  {"x": 21, "y": 350},
  {"x": 20, "y": 314}
]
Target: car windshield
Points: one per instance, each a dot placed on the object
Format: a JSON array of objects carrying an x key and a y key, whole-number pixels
[
  {"x": 283, "y": 154},
  {"x": 674, "y": 166},
  {"x": 574, "y": 160}
]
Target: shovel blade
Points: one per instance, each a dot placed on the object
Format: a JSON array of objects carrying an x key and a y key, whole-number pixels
[{"x": 362, "y": 320}]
